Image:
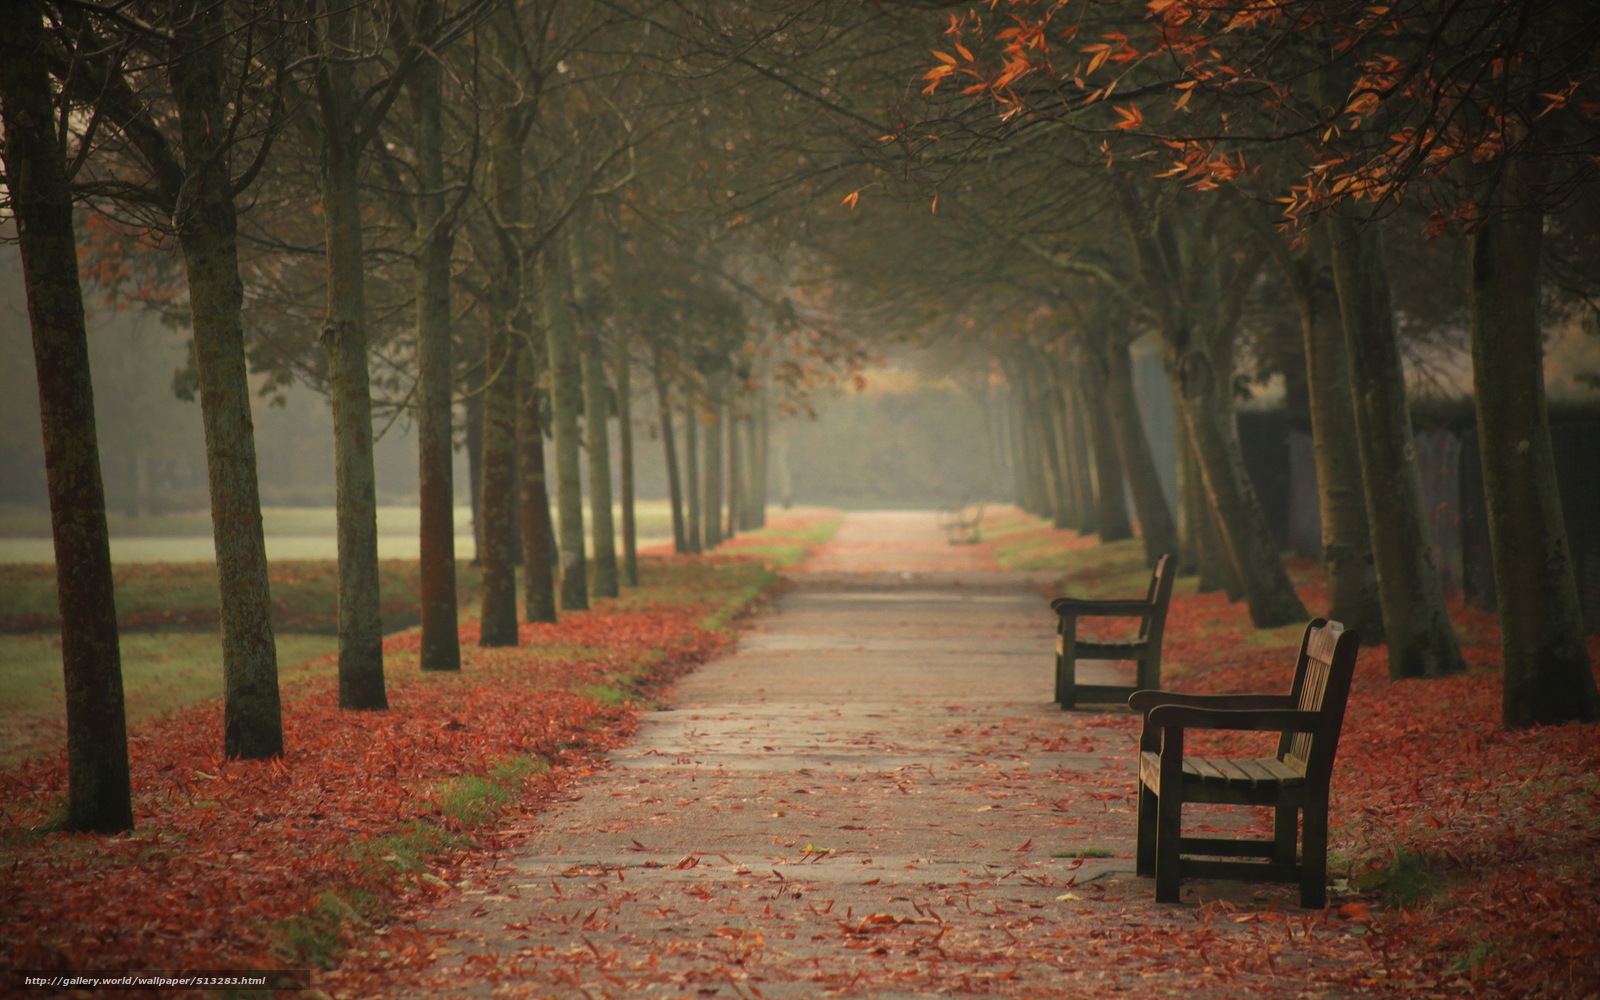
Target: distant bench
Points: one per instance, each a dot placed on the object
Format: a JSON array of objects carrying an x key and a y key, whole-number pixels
[
  {"x": 961, "y": 524},
  {"x": 1144, "y": 648}
]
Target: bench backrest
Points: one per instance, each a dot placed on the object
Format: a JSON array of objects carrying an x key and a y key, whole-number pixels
[
  {"x": 1158, "y": 596},
  {"x": 1322, "y": 678}
]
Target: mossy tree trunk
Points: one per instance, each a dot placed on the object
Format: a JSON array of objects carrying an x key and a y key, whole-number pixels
[
  {"x": 566, "y": 403},
  {"x": 1548, "y": 676},
  {"x": 538, "y": 540},
  {"x": 1346, "y": 538},
  {"x": 99, "y": 794},
  {"x": 625, "y": 473},
  {"x": 208, "y": 232},
  {"x": 669, "y": 448},
  {"x": 1422, "y": 641},
  {"x": 1156, "y": 523},
  {"x": 440, "y": 647},
  {"x": 344, "y": 337},
  {"x": 1199, "y": 289},
  {"x": 711, "y": 488},
  {"x": 691, "y": 473}
]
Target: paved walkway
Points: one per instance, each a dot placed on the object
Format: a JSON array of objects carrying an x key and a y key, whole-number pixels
[{"x": 873, "y": 797}]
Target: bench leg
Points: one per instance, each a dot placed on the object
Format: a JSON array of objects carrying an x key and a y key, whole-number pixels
[
  {"x": 1314, "y": 857},
  {"x": 1066, "y": 672},
  {"x": 1285, "y": 831},
  {"x": 1144, "y": 857},
  {"x": 1168, "y": 833}
]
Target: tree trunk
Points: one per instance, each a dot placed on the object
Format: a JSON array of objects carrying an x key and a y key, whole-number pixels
[
  {"x": 680, "y": 536},
  {"x": 566, "y": 400},
  {"x": 1046, "y": 404},
  {"x": 99, "y": 796},
  {"x": 1548, "y": 676},
  {"x": 1192, "y": 503},
  {"x": 1064, "y": 509},
  {"x": 630, "y": 531},
  {"x": 1346, "y": 540},
  {"x": 597, "y": 439},
  {"x": 1077, "y": 460},
  {"x": 1199, "y": 293},
  {"x": 1144, "y": 481},
  {"x": 735, "y": 466},
  {"x": 538, "y": 543},
  {"x": 711, "y": 490},
  {"x": 440, "y": 647},
  {"x": 596, "y": 412},
  {"x": 344, "y": 335},
  {"x": 208, "y": 232},
  {"x": 760, "y": 439},
  {"x": 1111, "y": 502},
  {"x": 473, "y": 388},
  {"x": 1422, "y": 642},
  {"x": 498, "y": 557},
  {"x": 1257, "y": 565},
  {"x": 691, "y": 472}
]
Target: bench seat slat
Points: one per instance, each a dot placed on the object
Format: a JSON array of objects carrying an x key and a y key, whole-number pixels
[{"x": 1261, "y": 772}]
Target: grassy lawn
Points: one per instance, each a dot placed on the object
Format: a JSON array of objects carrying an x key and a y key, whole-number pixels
[
  {"x": 161, "y": 671},
  {"x": 172, "y": 651}
]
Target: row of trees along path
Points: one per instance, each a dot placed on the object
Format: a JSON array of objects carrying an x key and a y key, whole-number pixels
[
  {"x": 872, "y": 797},
  {"x": 515, "y": 199}
]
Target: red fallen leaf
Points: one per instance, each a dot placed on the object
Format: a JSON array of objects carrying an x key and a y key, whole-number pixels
[
  {"x": 1353, "y": 911},
  {"x": 874, "y": 923}
]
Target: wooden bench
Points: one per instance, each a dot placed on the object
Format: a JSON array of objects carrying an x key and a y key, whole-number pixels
[
  {"x": 1294, "y": 782},
  {"x": 1144, "y": 648},
  {"x": 961, "y": 524}
]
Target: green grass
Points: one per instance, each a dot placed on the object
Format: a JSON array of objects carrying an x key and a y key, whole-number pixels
[
  {"x": 172, "y": 657},
  {"x": 653, "y": 519},
  {"x": 319, "y": 936},
  {"x": 161, "y": 671},
  {"x": 183, "y": 595}
]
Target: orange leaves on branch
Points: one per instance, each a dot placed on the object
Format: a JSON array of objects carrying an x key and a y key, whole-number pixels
[{"x": 1129, "y": 117}]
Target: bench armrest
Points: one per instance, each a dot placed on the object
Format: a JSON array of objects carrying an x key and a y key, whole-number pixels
[
  {"x": 1277, "y": 720},
  {"x": 1078, "y": 607},
  {"x": 1144, "y": 701}
]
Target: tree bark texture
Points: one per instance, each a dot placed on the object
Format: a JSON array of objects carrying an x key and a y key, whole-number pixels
[
  {"x": 1110, "y": 499},
  {"x": 1199, "y": 292},
  {"x": 596, "y": 412},
  {"x": 207, "y": 224},
  {"x": 474, "y": 346},
  {"x": 538, "y": 539},
  {"x": 711, "y": 490},
  {"x": 1133, "y": 447},
  {"x": 669, "y": 448},
  {"x": 597, "y": 443},
  {"x": 498, "y": 620},
  {"x": 1346, "y": 540},
  {"x": 1077, "y": 459},
  {"x": 760, "y": 456},
  {"x": 691, "y": 475},
  {"x": 566, "y": 402},
  {"x": 1548, "y": 676},
  {"x": 1422, "y": 641},
  {"x": 735, "y": 465},
  {"x": 344, "y": 336},
  {"x": 441, "y": 640},
  {"x": 99, "y": 795},
  {"x": 625, "y": 483}
]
